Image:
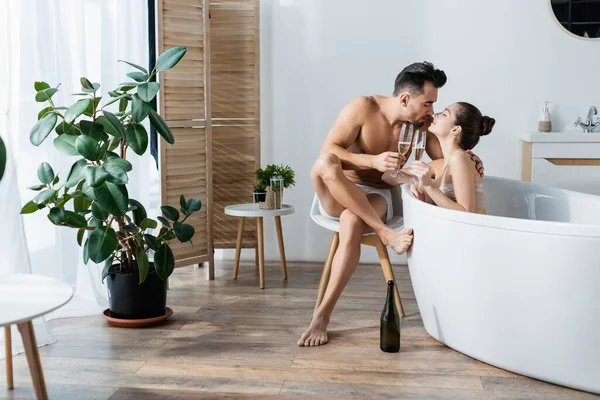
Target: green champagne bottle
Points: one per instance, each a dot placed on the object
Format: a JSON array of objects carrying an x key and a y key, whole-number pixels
[{"x": 389, "y": 334}]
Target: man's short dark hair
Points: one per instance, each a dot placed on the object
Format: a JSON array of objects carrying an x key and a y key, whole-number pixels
[{"x": 413, "y": 78}]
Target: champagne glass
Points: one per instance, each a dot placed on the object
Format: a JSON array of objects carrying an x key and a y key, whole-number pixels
[
  {"x": 418, "y": 148},
  {"x": 404, "y": 141}
]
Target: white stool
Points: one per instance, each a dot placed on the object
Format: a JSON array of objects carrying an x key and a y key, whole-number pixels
[
  {"x": 369, "y": 239},
  {"x": 24, "y": 297},
  {"x": 253, "y": 211}
]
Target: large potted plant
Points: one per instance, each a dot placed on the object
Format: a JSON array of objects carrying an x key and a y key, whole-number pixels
[{"x": 112, "y": 227}]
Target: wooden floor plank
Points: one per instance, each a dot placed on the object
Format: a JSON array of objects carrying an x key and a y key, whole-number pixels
[{"x": 231, "y": 340}]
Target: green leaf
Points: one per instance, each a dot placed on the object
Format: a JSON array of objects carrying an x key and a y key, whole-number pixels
[
  {"x": 91, "y": 129},
  {"x": 42, "y": 129},
  {"x": 106, "y": 269},
  {"x": 161, "y": 127},
  {"x": 112, "y": 198},
  {"x": 45, "y": 94},
  {"x": 164, "y": 221},
  {"x": 45, "y": 173},
  {"x": 164, "y": 261},
  {"x": 55, "y": 180},
  {"x": 170, "y": 212},
  {"x": 69, "y": 129},
  {"x": 148, "y": 223},
  {"x": 76, "y": 173},
  {"x": 30, "y": 207},
  {"x": 152, "y": 241},
  {"x": 125, "y": 86},
  {"x": 88, "y": 147},
  {"x": 147, "y": 91},
  {"x": 95, "y": 175},
  {"x": 116, "y": 174},
  {"x": 80, "y": 234},
  {"x": 76, "y": 110},
  {"x": 89, "y": 111},
  {"x": 86, "y": 83},
  {"x": 123, "y": 104},
  {"x": 96, "y": 223},
  {"x": 44, "y": 196},
  {"x": 170, "y": 58},
  {"x": 114, "y": 144},
  {"x": 98, "y": 212},
  {"x": 36, "y": 187},
  {"x": 2, "y": 158},
  {"x": 40, "y": 85},
  {"x": 139, "y": 213},
  {"x": 86, "y": 253},
  {"x": 184, "y": 232},
  {"x": 142, "y": 262},
  {"x": 102, "y": 241},
  {"x": 107, "y": 126},
  {"x": 80, "y": 202},
  {"x": 182, "y": 202},
  {"x": 139, "y": 108},
  {"x": 74, "y": 220},
  {"x": 135, "y": 66},
  {"x": 88, "y": 191},
  {"x": 114, "y": 121},
  {"x": 44, "y": 111},
  {"x": 193, "y": 205},
  {"x": 122, "y": 163},
  {"x": 138, "y": 76},
  {"x": 66, "y": 144},
  {"x": 137, "y": 138}
]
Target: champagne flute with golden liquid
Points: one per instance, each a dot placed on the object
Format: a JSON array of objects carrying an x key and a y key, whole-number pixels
[
  {"x": 404, "y": 141},
  {"x": 418, "y": 148}
]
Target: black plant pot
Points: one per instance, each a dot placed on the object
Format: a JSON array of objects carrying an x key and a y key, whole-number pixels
[
  {"x": 128, "y": 299},
  {"x": 260, "y": 196}
]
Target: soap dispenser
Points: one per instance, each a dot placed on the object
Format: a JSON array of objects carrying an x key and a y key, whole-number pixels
[{"x": 545, "y": 122}]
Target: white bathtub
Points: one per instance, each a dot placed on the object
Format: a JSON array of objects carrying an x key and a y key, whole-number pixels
[{"x": 518, "y": 288}]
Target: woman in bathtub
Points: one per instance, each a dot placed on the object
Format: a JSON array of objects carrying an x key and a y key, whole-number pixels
[{"x": 453, "y": 181}]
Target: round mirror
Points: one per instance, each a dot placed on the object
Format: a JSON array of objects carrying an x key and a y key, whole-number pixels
[{"x": 580, "y": 17}]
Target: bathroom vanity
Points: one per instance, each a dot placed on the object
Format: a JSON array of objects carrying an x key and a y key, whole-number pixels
[{"x": 567, "y": 160}]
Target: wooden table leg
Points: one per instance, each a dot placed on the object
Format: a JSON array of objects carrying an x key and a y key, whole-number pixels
[
  {"x": 238, "y": 247},
  {"x": 261, "y": 251},
  {"x": 281, "y": 248},
  {"x": 33, "y": 359},
  {"x": 8, "y": 352}
]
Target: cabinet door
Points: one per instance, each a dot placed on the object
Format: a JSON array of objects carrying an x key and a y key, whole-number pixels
[{"x": 581, "y": 175}]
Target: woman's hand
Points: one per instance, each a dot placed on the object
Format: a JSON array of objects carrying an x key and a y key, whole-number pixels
[{"x": 422, "y": 173}]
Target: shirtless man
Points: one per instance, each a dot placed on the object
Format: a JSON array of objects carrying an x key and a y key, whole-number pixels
[{"x": 352, "y": 175}]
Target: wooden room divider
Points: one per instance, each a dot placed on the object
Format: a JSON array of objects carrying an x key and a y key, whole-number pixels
[{"x": 211, "y": 101}]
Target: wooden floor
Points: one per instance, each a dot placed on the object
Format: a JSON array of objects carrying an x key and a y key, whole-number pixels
[{"x": 230, "y": 340}]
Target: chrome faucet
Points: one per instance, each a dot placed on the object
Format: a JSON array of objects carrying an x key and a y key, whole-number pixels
[{"x": 589, "y": 125}]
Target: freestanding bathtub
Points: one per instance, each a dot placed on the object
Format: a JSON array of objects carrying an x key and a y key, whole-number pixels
[{"x": 518, "y": 288}]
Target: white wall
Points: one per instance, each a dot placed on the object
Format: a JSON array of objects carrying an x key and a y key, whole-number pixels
[{"x": 506, "y": 57}]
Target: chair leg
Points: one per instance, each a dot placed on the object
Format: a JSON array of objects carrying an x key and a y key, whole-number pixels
[
  {"x": 238, "y": 248},
  {"x": 8, "y": 351},
  {"x": 335, "y": 241},
  {"x": 386, "y": 266}
]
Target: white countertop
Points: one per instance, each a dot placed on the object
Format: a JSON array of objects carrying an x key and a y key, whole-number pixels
[{"x": 560, "y": 137}]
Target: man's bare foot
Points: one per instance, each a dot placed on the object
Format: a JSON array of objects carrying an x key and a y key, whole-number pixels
[
  {"x": 316, "y": 334},
  {"x": 398, "y": 241}
]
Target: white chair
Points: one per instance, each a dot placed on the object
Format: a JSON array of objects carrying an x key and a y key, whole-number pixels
[{"x": 369, "y": 239}]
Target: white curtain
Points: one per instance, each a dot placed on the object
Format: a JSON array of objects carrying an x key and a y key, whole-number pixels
[{"x": 59, "y": 41}]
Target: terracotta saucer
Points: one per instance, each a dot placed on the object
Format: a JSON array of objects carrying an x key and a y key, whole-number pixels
[{"x": 136, "y": 323}]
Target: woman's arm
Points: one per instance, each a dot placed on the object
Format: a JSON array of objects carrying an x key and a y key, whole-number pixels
[{"x": 462, "y": 179}]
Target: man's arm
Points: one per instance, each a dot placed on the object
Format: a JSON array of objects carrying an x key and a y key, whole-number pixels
[{"x": 344, "y": 132}]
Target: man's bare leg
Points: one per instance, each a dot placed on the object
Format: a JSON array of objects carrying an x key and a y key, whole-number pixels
[
  {"x": 343, "y": 266},
  {"x": 338, "y": 192}
]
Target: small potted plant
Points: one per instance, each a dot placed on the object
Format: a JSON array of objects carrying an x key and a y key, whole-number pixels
[
  {"x": 274, "y": 178},
  {"x": 112, "y": 227},
  {"x": 260, "y": 192}
]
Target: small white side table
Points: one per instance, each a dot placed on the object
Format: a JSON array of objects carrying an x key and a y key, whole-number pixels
[
  {"x": 253, "y": 211},
  {"x": 24, "y": 297}
]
